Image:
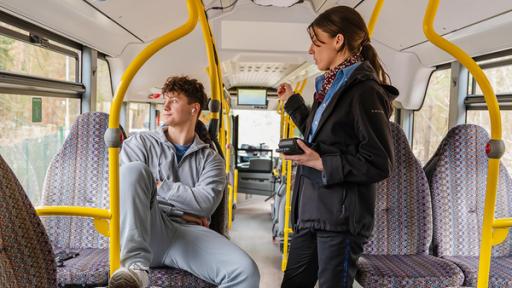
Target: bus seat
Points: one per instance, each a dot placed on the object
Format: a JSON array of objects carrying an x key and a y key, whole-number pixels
[
  {"x": 78, "y": 176},
  {"x": 257, "y": 178},
  {"x": 457, "y": 177},
  {"x": 397, "y": 253},
  {"x": 26, "y": 256}
]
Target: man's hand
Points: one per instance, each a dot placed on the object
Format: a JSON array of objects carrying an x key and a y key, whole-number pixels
[
  {"x": 194, "y": 219},
  {"x": 310, "y": 157}
]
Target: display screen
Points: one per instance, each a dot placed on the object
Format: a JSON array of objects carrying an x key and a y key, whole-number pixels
[{"x": 253, "y": 97}]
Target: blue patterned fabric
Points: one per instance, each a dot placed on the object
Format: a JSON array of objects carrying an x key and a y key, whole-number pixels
[
  {"x": 457, "y": 176},
  {"x": 78, "y": 176},
  {"x": 90, "y": 268},
  {"x": 501, "y": 270},
  {"x": 172, "y": 277},
  {"x": 26, "y": 256},
  {"x": 399, "y": 271},
  {"x": 403, "y": 211},
  {"x": 396, "y": 254}
]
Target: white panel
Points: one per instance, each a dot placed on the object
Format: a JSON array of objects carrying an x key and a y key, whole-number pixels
[
  {"x": 264, "y": 36},
  {"x": 73, "y": 19},
  {"x": 406, "y": 73},
  {"x": 489, "y": 36},
  {"x": 176, "y": 59},
  {"x": 146, "y": 19},
  {"x": 400, "y": 24}
]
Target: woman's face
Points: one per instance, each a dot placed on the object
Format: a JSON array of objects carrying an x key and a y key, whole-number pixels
[{"x": 324, "y": 49}]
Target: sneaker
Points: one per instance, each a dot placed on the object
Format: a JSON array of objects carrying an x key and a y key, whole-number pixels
[{"x": 135, "y": 276}]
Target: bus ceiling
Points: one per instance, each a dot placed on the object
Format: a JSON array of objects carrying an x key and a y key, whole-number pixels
[{"x": 275, "y": 41}]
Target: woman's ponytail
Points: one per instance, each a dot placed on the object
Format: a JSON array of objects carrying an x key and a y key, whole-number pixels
[{"x": 370, "y": 55}]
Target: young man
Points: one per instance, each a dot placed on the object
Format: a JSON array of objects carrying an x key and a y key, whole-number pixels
[{"x": 172, "y": 169}]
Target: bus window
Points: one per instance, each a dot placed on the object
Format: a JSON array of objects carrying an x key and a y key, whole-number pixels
[
  {"x": 257, "y": 127},
  {"x": 500, "y": 79},
  {"x": 104, "y": 87},
  {"x": 20, "y": 57},
  {"x": 29, "y": 141},
  {"x": 431, "y": 121},
  {"x": 138, "y": 117}
]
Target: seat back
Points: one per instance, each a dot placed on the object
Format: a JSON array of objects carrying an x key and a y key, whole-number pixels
[
  {"x": 26, "y": 256},
  {"x": 78, "y": 176},
  {"x": 403, "y": 211},
  {"x": 219, "y": 218},
  {"x": 457, "y": 175}
]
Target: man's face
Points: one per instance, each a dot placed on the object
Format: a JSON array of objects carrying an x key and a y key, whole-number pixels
[{"x": 177, "y": 110}]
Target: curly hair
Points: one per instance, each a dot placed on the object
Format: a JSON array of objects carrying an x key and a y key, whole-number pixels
[{"x": 190, "y": 88}]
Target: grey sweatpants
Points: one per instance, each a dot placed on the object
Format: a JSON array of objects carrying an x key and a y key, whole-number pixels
[{"x": 150, "y": 237}]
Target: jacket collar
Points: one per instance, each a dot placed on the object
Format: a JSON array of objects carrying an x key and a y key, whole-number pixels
[{"x": 362, "y": 73}]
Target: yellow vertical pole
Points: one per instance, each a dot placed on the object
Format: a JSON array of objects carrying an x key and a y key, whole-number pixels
[
  {"x": 235, "y": 196},
  {"x": 113, "y": 125},
  {"x": 375, "y": 16},
  {"x": 230, "y": 205},
  {"x": 289, "y": 133},
  {"x": 492, "y": 231},
  {"x": 115, "y": 221}
]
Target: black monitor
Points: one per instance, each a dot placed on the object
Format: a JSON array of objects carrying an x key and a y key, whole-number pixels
[{"x": 252, "y": 97}]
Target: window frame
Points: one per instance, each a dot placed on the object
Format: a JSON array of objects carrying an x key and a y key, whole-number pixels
[
  {"x": 474, "y": 101},
  {"x": 44, "y": 36}
]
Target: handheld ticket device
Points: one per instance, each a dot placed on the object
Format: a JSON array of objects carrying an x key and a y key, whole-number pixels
[{"x": 290, "y": 147}]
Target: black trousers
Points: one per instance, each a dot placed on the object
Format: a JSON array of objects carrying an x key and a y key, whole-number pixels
[{"x": 329, "y": 257}]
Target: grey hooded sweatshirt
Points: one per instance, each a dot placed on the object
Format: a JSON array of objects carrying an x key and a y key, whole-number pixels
[{"x": 194, "y": 185}]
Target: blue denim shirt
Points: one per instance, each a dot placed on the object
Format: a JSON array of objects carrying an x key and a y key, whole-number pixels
[{"x": 339, "y": 81}]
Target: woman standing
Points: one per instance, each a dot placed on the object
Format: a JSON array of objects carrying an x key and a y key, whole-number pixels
[{"x": 349, "y": 150}]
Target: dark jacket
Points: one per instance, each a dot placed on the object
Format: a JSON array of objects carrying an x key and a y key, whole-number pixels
[{"x": 354, "y": 141}]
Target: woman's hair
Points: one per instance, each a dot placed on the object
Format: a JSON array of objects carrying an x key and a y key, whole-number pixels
[{"x": 348, "y": 22}]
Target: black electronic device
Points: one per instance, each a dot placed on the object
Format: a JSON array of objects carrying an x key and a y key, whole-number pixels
[{"x": 290, "y": 146}]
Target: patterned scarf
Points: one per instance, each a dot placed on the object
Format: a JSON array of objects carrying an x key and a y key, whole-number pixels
[{"x": 330, "y": 75}]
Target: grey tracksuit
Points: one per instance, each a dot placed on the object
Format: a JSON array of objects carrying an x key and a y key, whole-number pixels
[{"x": 194, "y": 185}]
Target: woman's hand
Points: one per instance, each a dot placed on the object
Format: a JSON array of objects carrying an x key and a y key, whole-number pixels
[
  {"x": 284, "y": 91},
  {"x": 310, "y": 158}
]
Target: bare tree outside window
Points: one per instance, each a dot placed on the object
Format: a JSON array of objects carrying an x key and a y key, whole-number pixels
[{"x": 431, "y": 121}]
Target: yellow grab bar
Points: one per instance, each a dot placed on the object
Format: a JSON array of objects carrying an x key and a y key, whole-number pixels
[
  {"x": 375, "y": 16},
  {"x": 212, "y": 65},
  {"x": 289, "y": 133},
  {"x": 96, "y": 213},
  {"x": 113, "y": 152},
  {"x": 496, "y": 138}
]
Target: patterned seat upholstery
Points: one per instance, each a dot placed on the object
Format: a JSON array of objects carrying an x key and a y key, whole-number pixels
[
  {"x": 457, "y": 175},
  {"x": 78, "y": 176},
  {"x": 397, "y": 253},
  {"x": 26, "y": 256}
]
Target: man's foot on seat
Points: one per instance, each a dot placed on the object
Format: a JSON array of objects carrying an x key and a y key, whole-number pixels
[{"x": 135, "y": 276}]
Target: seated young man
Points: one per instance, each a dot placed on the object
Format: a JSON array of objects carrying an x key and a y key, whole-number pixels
[{"x": 172, "y": 169}]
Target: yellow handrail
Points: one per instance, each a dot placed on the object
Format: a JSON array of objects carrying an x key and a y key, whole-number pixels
[
  {"x": 289, "y": 133},
  {"x": 113, "y": 152},
  {"x": 96, "y": 213},
  {"x": 496, "y": 135},
  {"x": 375, "y": 16}
]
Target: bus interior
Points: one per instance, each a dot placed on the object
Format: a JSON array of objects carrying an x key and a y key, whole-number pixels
[{"x": 70, "y": 71}]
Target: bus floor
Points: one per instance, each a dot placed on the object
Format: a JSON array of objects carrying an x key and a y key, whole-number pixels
[{"x": 252, "y": 231}]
